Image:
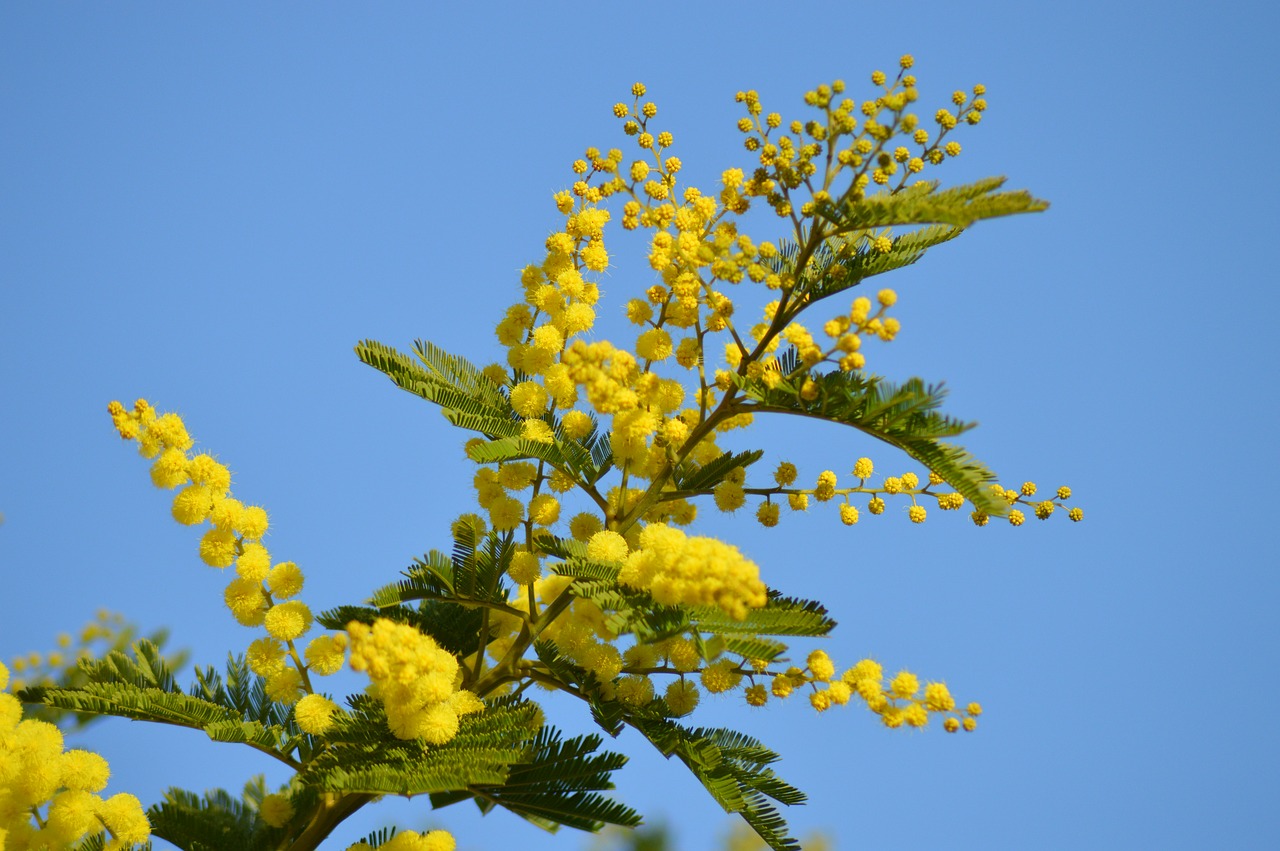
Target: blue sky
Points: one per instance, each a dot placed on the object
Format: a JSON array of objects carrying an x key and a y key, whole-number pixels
[{"x": 208, "y": 206}]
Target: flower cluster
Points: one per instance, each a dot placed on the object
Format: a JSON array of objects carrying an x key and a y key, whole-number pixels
[
  {"x": 415, "y": 679},
  {"x": 696, "y": 571},
  {"x": 899, "y": 702},
  {"x": 907, "y": 486},
  {"x": 661, "y": 403},
  {"x": 1043, "y": 509},
  {"x": 262, "y": 592},
  {"x": 49, "y": 796},
  {"x": 864, "y": 153}
]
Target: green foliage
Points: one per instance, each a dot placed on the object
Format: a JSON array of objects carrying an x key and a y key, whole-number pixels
[
  {"x": 468, "y": 399},
  {"x": 732, "y": 767},
  {"x": 558, "y": 785},
  {"x": 689, "y": 478},
  {"x": 362, "y": 757},
  {"x": 924, "y": 203},
  {"x": 904, "y": 416},
  {"x": 214, "y": 820},
  {"x": 844, "y": 261}
]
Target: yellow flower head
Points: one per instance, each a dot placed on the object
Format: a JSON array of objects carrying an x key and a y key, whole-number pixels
[
  {"x": 315, "y": 714},
  {"x": 288, "y": 621}
]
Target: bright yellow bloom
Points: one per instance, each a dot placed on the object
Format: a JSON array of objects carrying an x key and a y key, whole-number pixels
[
  {"x": 254, "y": 562},
  {"x": 529, "y": 399},
  {"x": 125, "y": 818},
  {"x": 276, "y": 810},
  {"x": 608, "y": 547},
  {"x": 253, "y": 522},
  {"x": 326, "y": 653},
  {"x": 414, "y": 678},
  {"x": 285, "y": 580},
  {"x": 288, "y": 621},
  {"x": 192, "y": 504},
  {"x": 525, "y": 568},
  {"x": 904, "y": 684},
  {"x": 720, "y": 676},
  {"x": 937, "y": 698},
  {"x": 682, "y": 697},
  {"x": 266, "y": 656},
  {"x": 218, "y": 548},
  {"x": 677, "y": 569},
  {"x": 169, "y": 469},
  {"x": 315, "y": 713},
  {"x": 821, "y": 666}
]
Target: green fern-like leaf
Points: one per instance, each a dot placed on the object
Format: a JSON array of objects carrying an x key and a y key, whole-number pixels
[
  {"x": 516, "y": 449},
  {"x": 458, "y": 372},
  {"x": 904, "y": 416},
  {"x": 754, "y": 647},
  {"x": 843, "y": 262},
  {"x": 581, "y": 568},
  {"x": 959, "y": 206},
  {"x": 559, "y": 784},
  {"x": 731, "y": 766},
  {"x": 129, "y": 701},
  {"x": 688, "y": 478},
  {"x": 213, "y": 821},
  {"x": 780, "y": 616},
  {"x": 364, "y": 757},
  {"x": 468, "y": 399}
]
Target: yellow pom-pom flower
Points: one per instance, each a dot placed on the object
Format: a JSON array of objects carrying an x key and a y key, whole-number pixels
[
  {"x": 253, "y": 522},
  {"x": 720, "y": 676},
  {"x": 276, "y": 810},
  {"x": 254, "y": 562},
  {"x": 315, "y": 714},
  {"x": 245, "y": 599},
  {"x": 821, "y": 666},
  {"x": 607, "y": 546},
  {"x": 326, "y": 653},
  {"x": 529, "y": 399},
  {"x": 905, "y": 684},
  {"x": 218, "y": 548},
  {"x": 288, "y": 621},
  {"x": 285, "y": 580},
  {"x": 169, "y": 469},
  {"x": 682, "y": 697},
  {"x": 525, "y": 568},
  {"x": 192, "y": 504}
]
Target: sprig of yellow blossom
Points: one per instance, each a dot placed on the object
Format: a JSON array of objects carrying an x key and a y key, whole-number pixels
[
  {"x": 907, "y": 486},
  {"x": 419, "y": 704},
  {"x": 660, "y": 405},
  {"x": 562, "y": 385},
  {"x": 49, "y": 796}
]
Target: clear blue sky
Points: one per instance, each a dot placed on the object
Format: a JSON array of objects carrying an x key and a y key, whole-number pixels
[{"x": 209, "y": 205}]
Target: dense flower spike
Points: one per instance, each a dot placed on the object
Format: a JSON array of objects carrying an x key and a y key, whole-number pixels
[
  {"x": 415, "y": 680},
  {"x": 49, "y": 796},
  {"x": 261, "y": 592},
  {"x": 678, "y": 569}
]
